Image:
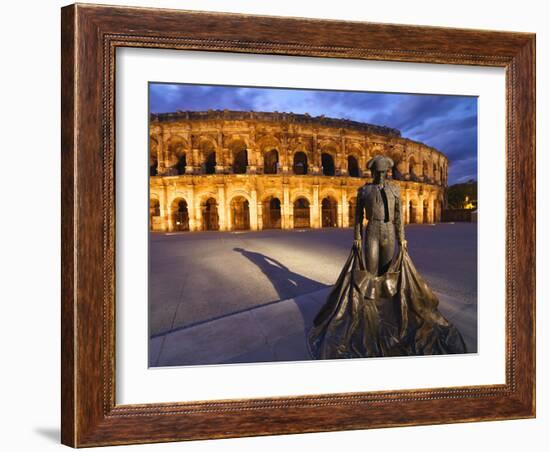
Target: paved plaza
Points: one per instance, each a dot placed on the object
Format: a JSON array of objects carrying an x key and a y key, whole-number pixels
[{"x": 227, "y": 297}]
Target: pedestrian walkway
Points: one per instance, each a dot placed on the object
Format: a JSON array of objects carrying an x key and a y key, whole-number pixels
[{"x": 272, "y": 332}]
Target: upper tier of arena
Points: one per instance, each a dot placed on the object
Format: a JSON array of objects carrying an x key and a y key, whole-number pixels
[{"x": 244, "y": 142}]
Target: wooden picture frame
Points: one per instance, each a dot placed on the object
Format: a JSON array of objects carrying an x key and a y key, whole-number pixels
[{"x": 90, "y": 36}]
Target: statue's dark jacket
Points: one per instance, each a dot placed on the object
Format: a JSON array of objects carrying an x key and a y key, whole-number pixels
[{"x": 370, "y": 205}]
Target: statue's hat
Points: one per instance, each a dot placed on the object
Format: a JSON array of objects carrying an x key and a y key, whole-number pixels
[{"x": 380, "y": 163}]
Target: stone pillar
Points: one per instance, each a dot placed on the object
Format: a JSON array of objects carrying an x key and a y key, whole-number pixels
[
  {"x": 315, "y": 209},
  {"x": 165, "y": 214},
  {"x": 251, "y": 156},
  {"x": 339, "y": 210},
  {"x": 222, "y": 211},
  {"x": 260, "y": 211},
  {"x": 223, "y": 165},
  {"x": 198, "y": 215},
  {"x": 161, "y": 156},
  {"x": 431, "y": 213},
  {"x": 345, "y": 210},
  {"x": 284, "y": 158},
  {"x": 190, "y": 163},
  {"x": 191, "y": 209},
  {"x": 194, "y": 166},
  {"x": 253, "y": 209},
  {"x": 420, "y": 209},
  {"x": 285, "y": 220}
]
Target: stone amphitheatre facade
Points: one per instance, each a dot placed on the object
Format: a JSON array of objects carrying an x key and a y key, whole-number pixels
[{"x": 230, "y": 170}]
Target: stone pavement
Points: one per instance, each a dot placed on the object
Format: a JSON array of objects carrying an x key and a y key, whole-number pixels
[
  {"x": 229, "y": 297},
  {"x": 272, "y": 332}
]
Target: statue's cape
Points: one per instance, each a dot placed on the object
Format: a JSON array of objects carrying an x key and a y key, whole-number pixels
[{"x": 394, "y": 314}]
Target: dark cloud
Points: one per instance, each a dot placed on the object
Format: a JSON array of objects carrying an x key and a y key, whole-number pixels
[{"x": 448, "y": 123}]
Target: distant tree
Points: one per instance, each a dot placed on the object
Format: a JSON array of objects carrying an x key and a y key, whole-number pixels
[{"x": 462, "y": 196}]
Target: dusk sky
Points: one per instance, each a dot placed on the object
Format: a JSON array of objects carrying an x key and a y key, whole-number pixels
[{"x": 448, "y": 123}]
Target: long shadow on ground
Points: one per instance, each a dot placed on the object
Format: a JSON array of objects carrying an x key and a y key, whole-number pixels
[{"x": 287, "y": 283}]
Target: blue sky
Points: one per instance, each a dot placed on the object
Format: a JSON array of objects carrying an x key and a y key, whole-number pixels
[{"x": 448, "y": 123}]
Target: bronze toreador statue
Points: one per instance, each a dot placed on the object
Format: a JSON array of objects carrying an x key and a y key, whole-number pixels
[
  {"x": 380, "y": 305},
  {"x": 380, "y": 204}
]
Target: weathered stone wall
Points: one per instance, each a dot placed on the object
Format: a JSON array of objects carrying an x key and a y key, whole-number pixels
[{"x": 240, "y": 170}]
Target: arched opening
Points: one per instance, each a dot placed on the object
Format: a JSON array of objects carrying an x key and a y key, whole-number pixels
[
  {"x": 327, "y": 162},
  {"x": 351, "y": 211},
  {"x": 329, "y": 213},
  {"x": 353, "y": 166},
  {"x": 240, "y": 161},
  {"x": 180, "y": 215},
  {"x": 209, "y": 213},
  {"x": 240, "y": 213},
  {"x": 425, "y": 212},
  {"x": 176, "y": 155},
  {"x": 181, "y": 164},
  {"x": 300, "y": 163},
  {"x": 153, "y": 167},
  {"x": 210, "y": 163},
  {"x": 271, "y": 162},
  {"x": 271, "y": 214},
  {"x": 154, "y": 214},
  {"x": 412, "y": 212},
  {"x": 435, "y": 213},
  {"x": 424, "y": 169},
  {"x": 301, "y": 213}
]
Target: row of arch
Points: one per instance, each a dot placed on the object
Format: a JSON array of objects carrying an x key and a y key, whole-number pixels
[
  {"x": 240, "y": 214},
  {"x": 271, "y": 164},
  {"x": 177, "y": 158}
]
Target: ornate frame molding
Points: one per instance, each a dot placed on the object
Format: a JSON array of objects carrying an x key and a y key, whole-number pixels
[{"x": 90, "y": 37}]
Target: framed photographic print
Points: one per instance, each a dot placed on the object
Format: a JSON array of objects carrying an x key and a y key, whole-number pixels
[{"x": 281, "y": 225}]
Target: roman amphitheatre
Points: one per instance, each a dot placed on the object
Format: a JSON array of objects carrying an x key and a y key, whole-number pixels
[{"x": 232, "y": 170}]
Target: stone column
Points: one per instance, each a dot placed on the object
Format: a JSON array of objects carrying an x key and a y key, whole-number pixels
[
  {"x": 166, "y": 218},
  {"x": 251, "y": 156},
  {"x": 420, "y": 209},
  {"x": 315, "y": 209},
  {"x": 191, "y": 209},
  {"x": 339, "y": 210},
  {"x": 198, "y": 215},
  {"x": 161, "y": 156},
  {"x": 345, "y": 210},
  {"x": 222, "y": 218},
  {"x": 286, "y": 223},
  {"x": 260, "y": 216},
  {"x": 253, "y": 208}
]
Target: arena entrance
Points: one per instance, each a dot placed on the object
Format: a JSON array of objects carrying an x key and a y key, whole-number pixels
[
  {"x": 209, "y": 213},
  {"x": 271, "y": 214},
  {"x": 240, "y": 213},
  {"x": 301, "y": 213},
  {"x": 329, "y": 213},
  {"x": 180, "y": 215}
]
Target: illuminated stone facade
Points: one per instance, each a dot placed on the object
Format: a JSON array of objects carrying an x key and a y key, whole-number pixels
[{"x": 229, "y": 170}]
